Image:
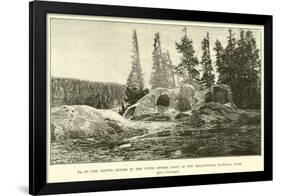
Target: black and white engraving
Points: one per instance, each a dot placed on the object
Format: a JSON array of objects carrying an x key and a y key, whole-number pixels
[{"x": 130, "y": 91}]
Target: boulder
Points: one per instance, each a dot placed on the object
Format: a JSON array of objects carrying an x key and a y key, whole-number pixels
[
  {"x": 81, "y": 121},
  {"x": 219, "y": 93},
  {"x": 215, "y": 114}
]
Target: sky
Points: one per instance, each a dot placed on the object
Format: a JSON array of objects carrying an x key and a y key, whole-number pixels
[{"x": 101, "y": 50}]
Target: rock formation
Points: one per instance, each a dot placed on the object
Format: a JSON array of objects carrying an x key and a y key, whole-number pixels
[
  {"x": 182, "y": 99},
  {"x": 81, "y": 121},
  {"x": 219, "y": 93},
  {"x": 160, "y": 100}
]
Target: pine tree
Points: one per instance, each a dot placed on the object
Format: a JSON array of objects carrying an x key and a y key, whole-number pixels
[
  {"x": 249, "y": 72},
  {"x": 241, "y": 71},
  {"x": 255, "y": 73},
  {"x": 226, "y": 61},
  {"x": 135, "y": 79},
  {"x": 135, "y": 84},
  {"x": 206, "y": 62},
  {"x": 187, "y": 67},
  {"x": 230, "y": 60},
  {"x": 219, "y": 59},
  {"x": 133, "y": 95},
  {"x": 229, "y": 67},
  {"x": 159, "y": 76},
  {"x": 169, "y": 69},
  {"x": 238, "y": 66}
]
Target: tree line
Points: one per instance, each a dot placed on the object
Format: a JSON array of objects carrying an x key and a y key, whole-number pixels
[
  {"x": 80, "y": 92},
  {"x": 237, "y": 65}
]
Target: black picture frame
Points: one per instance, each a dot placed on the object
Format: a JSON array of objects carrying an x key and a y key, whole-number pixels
[{"x": 37, "y": 101}]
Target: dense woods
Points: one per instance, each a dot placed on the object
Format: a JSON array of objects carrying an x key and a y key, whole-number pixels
[
  {"x": 238, "y": 65},
  {"x": 100, "y": 95}
]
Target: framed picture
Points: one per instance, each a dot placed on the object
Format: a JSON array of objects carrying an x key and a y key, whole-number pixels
[{"x": 129, "y": 98}]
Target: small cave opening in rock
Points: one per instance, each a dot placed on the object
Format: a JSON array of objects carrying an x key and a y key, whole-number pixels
[{"x": 163, "y": 103}]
